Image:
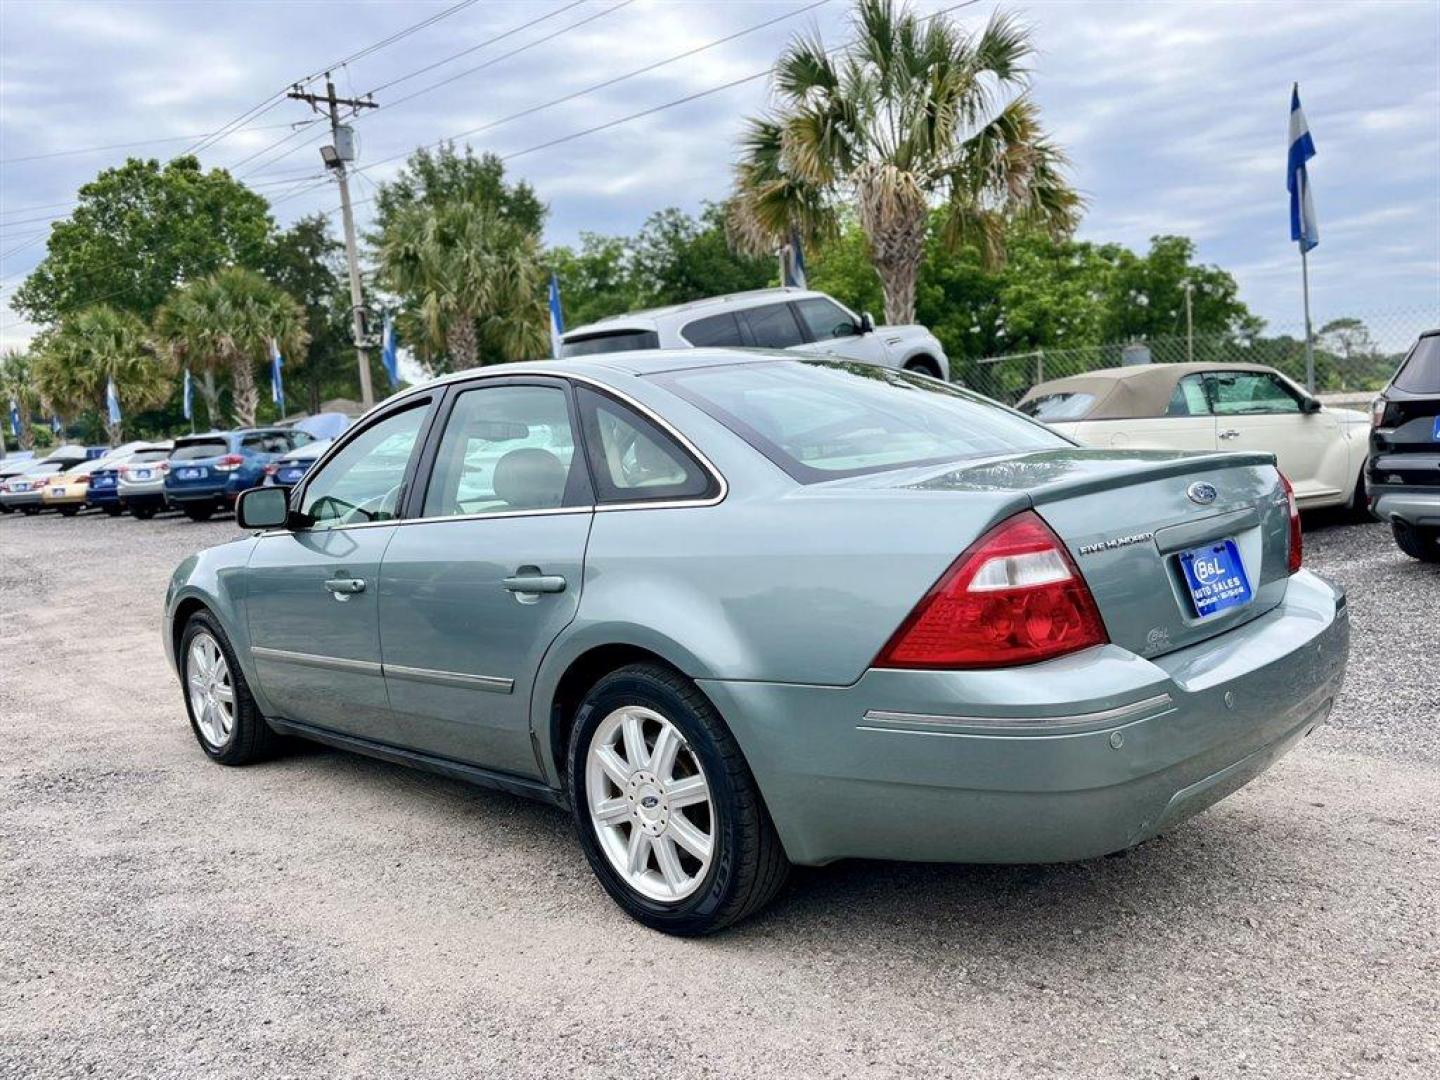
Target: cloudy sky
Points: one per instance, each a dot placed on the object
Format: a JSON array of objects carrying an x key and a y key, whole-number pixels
[{"x": 1174, "y": 114}]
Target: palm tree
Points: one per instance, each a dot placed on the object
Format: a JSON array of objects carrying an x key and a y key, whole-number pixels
[
  {"x": 17, "y": 384},
  {"x": 226, "y": 322},
  {"x": 78, "y": 360},
  {"x": 467, "y": 273},
  {"x": 905, "y": 116}
]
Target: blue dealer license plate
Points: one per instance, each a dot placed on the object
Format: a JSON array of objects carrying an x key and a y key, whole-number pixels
[
  {"x": 1216, "y": 577},
  {"x": 191, "y": 474}
]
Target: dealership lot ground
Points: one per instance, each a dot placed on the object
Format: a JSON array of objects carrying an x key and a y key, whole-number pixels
[{"x": 327, "y": 915}]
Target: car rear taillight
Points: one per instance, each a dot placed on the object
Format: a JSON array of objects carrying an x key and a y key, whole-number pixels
[
  {"x": 1297, "y": 549},
  {"x": 1377, "y": 412},
  {"x": 229, "y": 463},
  {"x": 271, "y": 469},
  {"x": 1014, "y": 597}
]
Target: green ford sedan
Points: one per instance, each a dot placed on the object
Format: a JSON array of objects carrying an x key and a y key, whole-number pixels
[{"x": 735, "y": 610}]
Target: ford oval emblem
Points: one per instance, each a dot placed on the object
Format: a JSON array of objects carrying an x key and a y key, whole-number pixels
[{"x": 1202, "y": 493}]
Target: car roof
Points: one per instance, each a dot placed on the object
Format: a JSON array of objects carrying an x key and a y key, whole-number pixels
[
  {"x": 1135, "y": 392},
  {"x": 646, "y": 318}
]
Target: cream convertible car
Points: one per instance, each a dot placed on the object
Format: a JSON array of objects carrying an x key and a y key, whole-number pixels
[
  {"x": 736, "y": 610},
  {"x": 1215, "y": 407}
]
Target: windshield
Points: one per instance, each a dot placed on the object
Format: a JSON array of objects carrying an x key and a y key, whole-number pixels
[
  {"x": 820, "y": 420},
  {"x": 202, "y": 448},
  {"x": 610, "y": 341},
  {"x": 1420, "y": 374}
]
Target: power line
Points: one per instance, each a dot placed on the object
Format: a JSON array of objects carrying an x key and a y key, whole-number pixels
[{"x": 127, "y": 145}]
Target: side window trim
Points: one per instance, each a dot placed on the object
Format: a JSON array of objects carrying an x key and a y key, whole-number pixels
[
  {"x": 423, "y": 401},
  {"x": 418, "y": 485}
]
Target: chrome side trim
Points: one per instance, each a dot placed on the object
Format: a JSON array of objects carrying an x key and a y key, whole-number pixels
[
  {"x": 492, "y": 683},
  {"x": 932, "y": 724},
  {"x": 328, "y": 663}
]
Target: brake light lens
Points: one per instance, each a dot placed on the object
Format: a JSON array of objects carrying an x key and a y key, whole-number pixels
[
  {"x": 229, "y": 463},
  {"x": 1013, "y": 597},
  {"x": 1297, "y": 550},
  {"x": 271, "y": 469},
  {"x": 1377, "y": 412}
]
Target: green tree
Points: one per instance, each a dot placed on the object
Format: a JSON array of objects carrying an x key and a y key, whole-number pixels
[
  {"x": 472, "y": 282},
  {"x": 901, "y": 119},
  {"x": 225, "y": 322},
  {"x": 597, "y": 280},
  {"x": 446, "y": 175},
  {"x": 138, "y": 231},
  {"x": 18, "y": 386},
  {"x": 677, "y": 258},
  {"x": 78, "y": 360}
]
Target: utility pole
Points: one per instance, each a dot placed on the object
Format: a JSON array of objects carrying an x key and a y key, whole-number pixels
[
  {"x": 335, "y": 156},
  {"x": 1189, "y": 322}
]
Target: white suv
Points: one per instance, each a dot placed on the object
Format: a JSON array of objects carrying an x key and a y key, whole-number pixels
[{"x": 795, "y": 319}]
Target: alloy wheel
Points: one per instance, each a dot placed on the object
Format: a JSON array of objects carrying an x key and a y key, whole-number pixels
[
  {"x": 212, "y": 694},
  {"x": 649, "y": 804}
]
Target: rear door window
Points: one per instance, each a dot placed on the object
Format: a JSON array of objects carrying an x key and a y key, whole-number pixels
[
  {"x": 1420, "y": 373},
  {"x": 722, "y": 329},
  {"x": 773, "y": 326}
]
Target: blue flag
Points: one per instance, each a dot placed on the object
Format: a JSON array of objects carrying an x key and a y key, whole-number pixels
[
  {"x": 112, "y": 403},
  {"x": 1303, "y": 227},
  {"x": 557, "y": 317},
  {"x": 792, "y": 263},
  {"x": 14, "y": 417},
  {"x": 55, "y": 424},
  {"x": 277, "y": 380},
  {"x": 189, "y": 402},
  {"x": 389, "y": 354}
]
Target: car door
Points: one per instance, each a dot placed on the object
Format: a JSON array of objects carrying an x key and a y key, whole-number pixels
[
  {"x": 313, "y": 590},
  {"x": 1258, "y": 410},
  {"x": 475, "y": 588},
  {"x": 830, "y": 330}
]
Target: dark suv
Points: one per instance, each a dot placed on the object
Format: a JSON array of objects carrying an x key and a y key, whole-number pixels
[{"x": 1404, "y": 467}]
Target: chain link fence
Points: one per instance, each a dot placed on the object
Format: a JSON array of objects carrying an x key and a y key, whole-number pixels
[{"x": 1353, "y": 355}]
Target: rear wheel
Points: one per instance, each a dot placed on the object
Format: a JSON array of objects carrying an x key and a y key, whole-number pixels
[
  {"x": 142, "y": 513},
  {"x": 923, "y": 365},
  {"x": 223, "y": 714},
  {"x": 29, "y": 511},
  {"x": 666, "y": 808},
  {"x": 112, "y": 509},
  {"x": 1418, "y": 543},
  {"x": 199, "y": 511},
  {"x": 69, "y": 511},
  {"x": 1359, "y": 508}
]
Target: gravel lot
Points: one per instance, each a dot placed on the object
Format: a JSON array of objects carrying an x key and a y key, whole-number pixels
[{"x": 327, "y": 915}]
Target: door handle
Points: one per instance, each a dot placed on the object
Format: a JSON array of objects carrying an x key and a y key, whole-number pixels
[
  {"x": 1229, "y": 433},
  {"x": 343, "y": 587},
  {"x": 535, "y": 583}
]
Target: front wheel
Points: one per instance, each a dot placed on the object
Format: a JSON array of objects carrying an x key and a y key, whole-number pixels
[
  {"x": 1418, "y": 543},
  {"x": 666, "y": 808},
  {"x": 223, "y": 713},
  {"x": 199, "y": 511}
]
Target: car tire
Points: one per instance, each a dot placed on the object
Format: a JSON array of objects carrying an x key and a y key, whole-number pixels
[
  {"x": 746, "y": 865},
  {"x": 199, "y": 511},
  {"x": 69, "y": 511},
  {"x": 924, "y": 366},
  {"x": 1359, "y": 508},
  {"x": 1418, "y": 543},
  {"x": 29, "y": 511},
  {"x": 6, "y": 509},
  {"x": 247, "y": 737},
  {"x": 142, "y": 513},
  {"x": 113, "y": 511}
]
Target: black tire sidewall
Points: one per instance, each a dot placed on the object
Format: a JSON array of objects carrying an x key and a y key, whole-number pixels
[
  {"x": 233, "y": 751},
  {"x": 697, "y": 912}
]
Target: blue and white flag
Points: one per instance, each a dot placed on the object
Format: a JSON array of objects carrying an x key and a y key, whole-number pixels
[
  {"x": 14, "y": 417},
  {"x": 792, "y": 263},
  {"x": 189, "y": 399},
  {"x": 557, "y": 318},
  {"x": 277, "y": 380},
  {"x": 389, "y": 353},
  {"x": 58, "y": 427},
  {"x": 1303, "y": 228},
  {"x": 112, "y": 403}
]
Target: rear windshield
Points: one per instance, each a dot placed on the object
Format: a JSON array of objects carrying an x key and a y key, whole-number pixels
[
  {"x": 143, "y": 456},
  {"x": 1055, "y": 407},
  {"x": 1420, "y": 374},
  {"x": 610, "y": 341},
  {"x": 203, "y": 448},
  {"x": 820, "y": 420}
]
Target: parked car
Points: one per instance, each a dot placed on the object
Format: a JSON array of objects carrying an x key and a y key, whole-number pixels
[
  {"x": 1404, "y": 468},
  {"x": 737, "y": 610},
  {"x": 797, "y": 319},
  {"x": 1214, "y": 407},
  {"x": 67, "y": 491},
  {"x": 23, "y": 490},
  {"x": 208, "y": 472},
  {"x": 110, "y": 484},
  {"x": 286, "y": 472},
  {"x": 13, "y": 464}
]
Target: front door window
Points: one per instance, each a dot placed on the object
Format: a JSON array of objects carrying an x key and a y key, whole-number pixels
[{"x": 363, "y": 482}]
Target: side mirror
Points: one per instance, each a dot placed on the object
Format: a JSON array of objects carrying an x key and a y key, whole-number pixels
[
  {"x": 263, "y": 508},
  {"x": 867, "y": 323},
  {"x": 1309, "y": 405}
]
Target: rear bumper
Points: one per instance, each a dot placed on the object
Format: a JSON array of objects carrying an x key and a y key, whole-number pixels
[
  {"x": 15, "y": 499},
  {"x": 1065, "y": 760},
  {"x": 102, "y": 497},
  {"x": 211, "y": 493},
  {"x": 1412, "y": 505}
]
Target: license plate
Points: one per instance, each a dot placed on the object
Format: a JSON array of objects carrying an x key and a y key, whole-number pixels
[
  {"x": 22, "y": 487},
  {"x": 289, "y": 476},
  {"x": 57, "y": 491},
  {"x": 141, "y": 474},
  {"x": 1216, "y": 577},
  {"x": 190, "y": 474}
]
